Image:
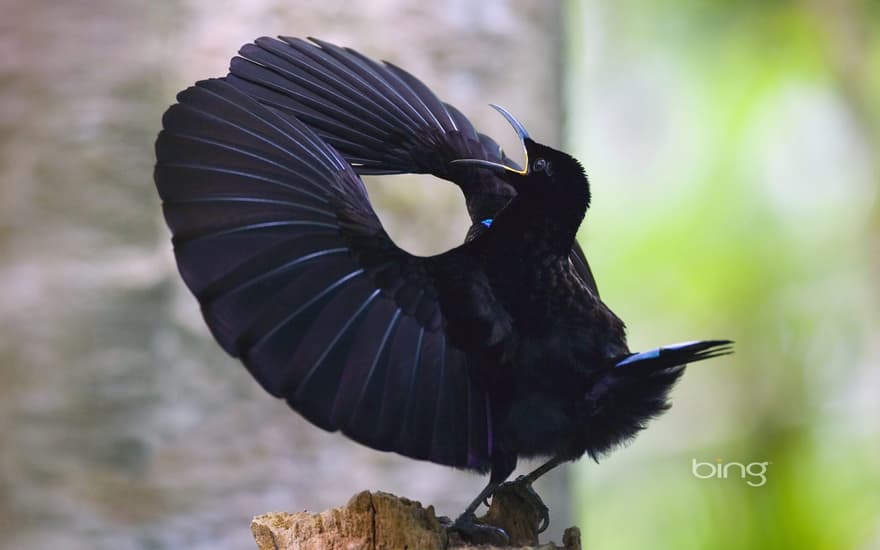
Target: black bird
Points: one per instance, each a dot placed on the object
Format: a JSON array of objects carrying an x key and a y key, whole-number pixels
[
  {"x": 497, "y": 349},
  {"x": 381, "y": 119}
]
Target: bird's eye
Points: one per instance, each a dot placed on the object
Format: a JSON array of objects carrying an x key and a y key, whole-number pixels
[{"x": 541, "y": 165}]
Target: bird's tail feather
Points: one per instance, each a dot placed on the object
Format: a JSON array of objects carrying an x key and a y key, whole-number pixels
[
  {"x": 636, "y": 389},
  {"x": 676, "y": 354}
]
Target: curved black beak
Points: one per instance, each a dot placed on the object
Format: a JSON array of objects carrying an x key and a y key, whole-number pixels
[{"x": 497, "y": 166}]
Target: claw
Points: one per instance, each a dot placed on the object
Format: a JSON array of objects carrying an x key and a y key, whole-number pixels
[
  {"x": 523, "y": 487},
  {"x": 545, "y": 521},
  {"x": 478, "y": 533}
]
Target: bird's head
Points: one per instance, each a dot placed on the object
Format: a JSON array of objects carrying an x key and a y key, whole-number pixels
[{"x": 546, "y": 170}]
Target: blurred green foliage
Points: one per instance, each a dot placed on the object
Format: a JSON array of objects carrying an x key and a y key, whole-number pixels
[{"x": 732, "y": 150}]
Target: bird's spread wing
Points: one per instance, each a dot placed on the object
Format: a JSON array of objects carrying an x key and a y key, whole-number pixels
[
  {"x": 275, "y": 236},
  {"x": 380, "y": 118}
]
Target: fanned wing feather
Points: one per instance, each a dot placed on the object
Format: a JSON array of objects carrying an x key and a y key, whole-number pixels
[
  {"x": 381, "y": 119},
  {"x": 378, "y": 116},
  {"x": 274, "y": 234}
]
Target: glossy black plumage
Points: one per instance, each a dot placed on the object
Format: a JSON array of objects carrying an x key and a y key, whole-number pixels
[
  {"x": 497, "y": 349},
  {"x": 275, "y": 236},
  {"x": 380, "y": 118}
]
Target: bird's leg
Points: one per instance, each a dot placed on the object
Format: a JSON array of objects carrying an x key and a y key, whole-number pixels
[
  {"x": 522, "y": 486},
  {"x": 467, "y": 525},
  {"x": 542, "y": 469},
  {"x": 480, "y": 498}
]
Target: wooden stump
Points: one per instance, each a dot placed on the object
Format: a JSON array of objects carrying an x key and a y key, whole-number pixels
[{"x": 381, "y": 521}]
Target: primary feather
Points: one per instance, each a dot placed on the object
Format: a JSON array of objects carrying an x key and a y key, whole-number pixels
[
  {"x": 380, "y": 118},
  {"x": 274, "y": 234}
]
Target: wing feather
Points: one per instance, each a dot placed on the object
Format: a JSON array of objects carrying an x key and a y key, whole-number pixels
[
  {"x": 274, "y": 234},
  {"x": 381, "y": 118}
]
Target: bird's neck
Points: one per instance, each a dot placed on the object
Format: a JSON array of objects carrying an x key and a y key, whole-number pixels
[
  {"x": 557, "y": 231},
  {"x": 544, "y": 225}
]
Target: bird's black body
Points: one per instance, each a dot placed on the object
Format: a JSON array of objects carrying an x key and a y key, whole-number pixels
[{"x": 497, "y": 349}]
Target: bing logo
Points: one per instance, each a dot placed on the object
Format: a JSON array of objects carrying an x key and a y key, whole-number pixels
[{"x": 754, "y": 473}]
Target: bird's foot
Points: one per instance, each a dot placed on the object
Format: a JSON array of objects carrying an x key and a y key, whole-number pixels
[
  {"x": 479, "y": 533},
  {"x": 522, "y": 488}
]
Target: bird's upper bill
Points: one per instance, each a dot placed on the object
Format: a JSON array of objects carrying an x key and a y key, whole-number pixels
[{"x": 497, "y": 166}]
